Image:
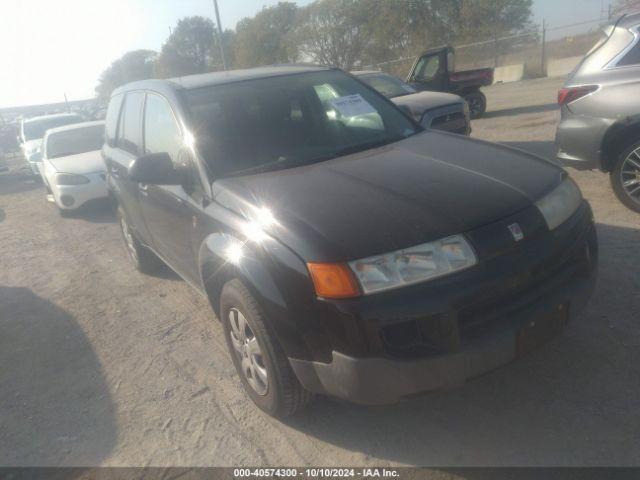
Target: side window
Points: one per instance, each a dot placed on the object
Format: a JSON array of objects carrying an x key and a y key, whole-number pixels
[
  {"x": 632, "y": 57},
  {"x": 428, "y": 67},
  {"x": 161, "y": 131},
  {"x": 129, "y": 134},
  {"x": 111, "y": 121}
]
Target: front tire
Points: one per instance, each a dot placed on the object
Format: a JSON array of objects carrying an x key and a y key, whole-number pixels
[
  {"x": 477, "y": 104},
  {"x": 143, "y": 259},
  {"x": 625, "y": 177},
  {"x": 263, "y": 367}
]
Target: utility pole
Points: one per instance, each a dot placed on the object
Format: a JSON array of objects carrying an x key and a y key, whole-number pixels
[
  {"x": 219, "y": 31},
  {"x": 544, "y": 48}
]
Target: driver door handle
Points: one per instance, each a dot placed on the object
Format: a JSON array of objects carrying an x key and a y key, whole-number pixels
[{"x": 143, "y": 189}]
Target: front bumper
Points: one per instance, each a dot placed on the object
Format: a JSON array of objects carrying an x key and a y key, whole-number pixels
[
  {"x": 72, "y": 197},
  {"x": 374, "y": 381},
  {"x": 482, "y": 335}
]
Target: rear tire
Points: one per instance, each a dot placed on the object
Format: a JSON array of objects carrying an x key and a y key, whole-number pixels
[
  {"x": 625, "y": 177},
  {"x": 143, "y": 259},
  {"x": 477, "y": 104},
  {"x": 281, "y": 395}
]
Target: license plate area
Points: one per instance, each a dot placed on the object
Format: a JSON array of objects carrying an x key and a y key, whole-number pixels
[{"x": 539, "y": 330}]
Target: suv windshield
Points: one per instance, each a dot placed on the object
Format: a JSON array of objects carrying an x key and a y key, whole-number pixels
[
  {"x": 34, "y": 129},
  {"x": 388, "y": 85},
  {"x": 281, "y": 122},
  {"x": 73, "y": 142}
]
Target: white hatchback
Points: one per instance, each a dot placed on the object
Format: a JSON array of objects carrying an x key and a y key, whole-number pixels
[{"x": 72, "y": 165}]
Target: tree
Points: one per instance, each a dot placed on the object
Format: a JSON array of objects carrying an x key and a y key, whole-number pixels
[
  {"x": 266, "y": 39},
  {"x": 398, "y": 28},
  {"x": 484, "y": 19},
  {"x": 191, "y": 48},
  {"x": 132, "y": 66},
  {"x": 333, "y": 32}
]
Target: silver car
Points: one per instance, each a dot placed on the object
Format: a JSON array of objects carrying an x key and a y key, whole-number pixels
[{"x": 600, "y": 108}]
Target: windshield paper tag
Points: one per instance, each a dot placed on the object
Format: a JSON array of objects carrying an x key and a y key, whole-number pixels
[{"x": 352, "y": 106}]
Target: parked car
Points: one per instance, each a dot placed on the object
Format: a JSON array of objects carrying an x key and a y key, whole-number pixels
[
  {"x": 32, "y": 131},
  {"x": 72, "y": 167},
  {"x": 600, "y": 111},
  {"x": 368, "y": 261},
  {"x": 441, "y": 111},
  {"x": 435, "y": 70}
]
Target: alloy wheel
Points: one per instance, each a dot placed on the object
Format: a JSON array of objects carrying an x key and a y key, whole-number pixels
[
  {"x": 247, "y": 349},
  {"x": 630, "y": 175}
]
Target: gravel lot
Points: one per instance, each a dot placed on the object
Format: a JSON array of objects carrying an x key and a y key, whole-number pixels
[{"x": 100, "y": 365}]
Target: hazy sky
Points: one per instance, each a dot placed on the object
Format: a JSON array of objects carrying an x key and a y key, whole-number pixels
[{"x": 52, "y": 47}]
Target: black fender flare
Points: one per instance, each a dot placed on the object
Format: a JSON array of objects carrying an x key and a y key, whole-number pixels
[{"x": 216, "y": 269}]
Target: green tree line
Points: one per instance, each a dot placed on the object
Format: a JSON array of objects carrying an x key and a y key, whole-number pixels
[{"x": 342, "y": 33}]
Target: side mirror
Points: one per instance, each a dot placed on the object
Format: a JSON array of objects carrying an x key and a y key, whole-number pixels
[{"x": 154, "y": 169}]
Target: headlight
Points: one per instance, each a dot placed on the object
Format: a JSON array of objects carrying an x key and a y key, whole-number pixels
[
  {"x": 413, "y": 265},
  {"x": 560, "y": 204},
  {"x": 70, "y": 179}
]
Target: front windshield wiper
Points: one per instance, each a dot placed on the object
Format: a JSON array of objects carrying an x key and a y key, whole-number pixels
[
  {"x": 360, "y": 147},
  {"x": 291, "y": 162},
  {"x": 280, "y": 163}
]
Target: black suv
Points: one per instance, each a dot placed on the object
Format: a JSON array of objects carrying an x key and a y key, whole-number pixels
[{"x": 346, "y": 250}]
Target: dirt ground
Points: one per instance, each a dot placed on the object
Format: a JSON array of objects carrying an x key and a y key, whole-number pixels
[{"x": 100, "y": 365}]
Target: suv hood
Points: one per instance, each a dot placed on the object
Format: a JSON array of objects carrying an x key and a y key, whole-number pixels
[
  {"x": 420, "y": 189},
  {"x": 423, "y": 101}
]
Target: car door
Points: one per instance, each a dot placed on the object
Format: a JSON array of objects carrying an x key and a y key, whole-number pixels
[
  {"x": 429, "y": 73},
  {"x": 164, "y": 207},
  {"x": 127, "y": 146}
]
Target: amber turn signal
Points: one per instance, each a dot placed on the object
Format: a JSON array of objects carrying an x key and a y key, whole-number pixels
[{"x": 333, "y": 280}]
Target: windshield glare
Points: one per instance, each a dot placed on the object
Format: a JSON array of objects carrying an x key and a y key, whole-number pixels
[
  {"x": 280, "y": 122},
  {"x": 35, "y": 129},
  {"x": 73, "y": 142},
  {"x": 388, "y": 85}
]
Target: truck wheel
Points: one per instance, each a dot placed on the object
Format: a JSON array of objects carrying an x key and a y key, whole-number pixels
[
  {"x": 477, "y": 104},
  {"x": 263, "y": 367},
  {"x": 142, "y": 258},
  {"x": 625, "y": 177}
]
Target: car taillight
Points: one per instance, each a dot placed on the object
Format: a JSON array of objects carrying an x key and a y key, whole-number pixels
[{"x": 568, "y": 95}]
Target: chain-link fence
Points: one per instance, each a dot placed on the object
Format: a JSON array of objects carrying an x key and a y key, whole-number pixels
[{"x": 532, "y": 51}]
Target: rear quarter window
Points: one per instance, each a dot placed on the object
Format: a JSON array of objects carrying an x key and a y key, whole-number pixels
[
  {"x": 111, "y": 121},
  {"x": 632, "y": 57}
]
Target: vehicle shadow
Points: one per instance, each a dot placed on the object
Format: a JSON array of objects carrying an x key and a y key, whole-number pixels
[
  {"x": 96, "y": 212},
  {"x": 572, "y": 402},
  {"x": 507, "y": 112},
  {"x": 2, "y": 215},
  {"x": 17, "y": 182},
  {"x": 55, "y": 402}
]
